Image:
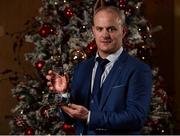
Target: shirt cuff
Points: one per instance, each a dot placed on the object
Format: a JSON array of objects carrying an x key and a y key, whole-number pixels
[
  {"x": 65, "y": 95},
  {"x": 88, "y": 119}
]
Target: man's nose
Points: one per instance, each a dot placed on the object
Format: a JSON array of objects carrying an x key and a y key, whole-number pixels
[{"x": 106, "y": 34}]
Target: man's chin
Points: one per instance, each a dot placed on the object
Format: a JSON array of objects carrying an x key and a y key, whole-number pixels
[
  {"x": 105, "y": 46},
  {"x": 106, "y": 43},
  {"x": 106, "y": 51}
]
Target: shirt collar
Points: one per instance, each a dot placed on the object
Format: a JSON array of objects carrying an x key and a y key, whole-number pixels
[{"x": 114, "y": 56}]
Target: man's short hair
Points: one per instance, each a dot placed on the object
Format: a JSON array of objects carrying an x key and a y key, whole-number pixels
[{"x": 111, "y": 9}]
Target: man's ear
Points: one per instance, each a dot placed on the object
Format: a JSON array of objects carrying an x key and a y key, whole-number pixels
[
  {"x": 93, "y": 29},
  {"x": 125, "y": 30}
]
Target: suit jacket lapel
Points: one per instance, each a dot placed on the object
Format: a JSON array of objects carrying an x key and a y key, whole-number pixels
[
  {"x": 87, "y": 82},
  {"x": 112, "y": 77}
]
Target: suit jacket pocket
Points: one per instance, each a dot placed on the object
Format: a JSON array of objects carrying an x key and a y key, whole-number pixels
[
  {"x": 117, "y": 98},
  {"x": 118, "y": 86}
]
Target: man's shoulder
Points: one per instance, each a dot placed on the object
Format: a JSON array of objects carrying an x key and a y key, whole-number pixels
[
  {"x": 136, "y": 63},
  {"x": 87, "y": 61}
]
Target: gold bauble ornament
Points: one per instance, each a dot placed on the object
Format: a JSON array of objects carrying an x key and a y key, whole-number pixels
[{"x": 77, "y": 55}]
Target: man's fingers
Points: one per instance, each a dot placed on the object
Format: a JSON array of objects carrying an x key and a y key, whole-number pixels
[
  {"x": 49, "y": 84},
  {"x": 51, "y": 88},
  {"x": 73, "y": 106},
  {"x": 75, "y": 111},
  {"x": 50, "y": 72},
  {"x": 68, "y": 110},
  {"x": 48, "y": 77},
  {"x": 66, "y": 76},
  {"x": 52, "y": 75}
]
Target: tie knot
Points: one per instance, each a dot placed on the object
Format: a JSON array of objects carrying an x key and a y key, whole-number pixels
[{"x": 102, "y": 61}]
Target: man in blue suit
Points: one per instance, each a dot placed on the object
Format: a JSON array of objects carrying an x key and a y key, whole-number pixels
[{"x": 119, "y": 103}]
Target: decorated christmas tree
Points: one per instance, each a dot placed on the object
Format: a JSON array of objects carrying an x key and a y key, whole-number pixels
[{"x": 62, "y": 37}]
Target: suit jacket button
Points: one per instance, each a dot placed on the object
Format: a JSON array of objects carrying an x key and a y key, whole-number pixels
[{"x": 92, "y": 101}]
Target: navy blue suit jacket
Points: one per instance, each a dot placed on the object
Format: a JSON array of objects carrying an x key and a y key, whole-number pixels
[{"x": 125, "y": 100}]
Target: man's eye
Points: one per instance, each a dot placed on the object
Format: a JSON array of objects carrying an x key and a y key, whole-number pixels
[
  {"x": 99, "y": 29},
  {"x": 111, "y": 29}
]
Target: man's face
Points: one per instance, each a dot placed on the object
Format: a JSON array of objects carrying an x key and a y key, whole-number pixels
[{"x": 108, "y": 32}]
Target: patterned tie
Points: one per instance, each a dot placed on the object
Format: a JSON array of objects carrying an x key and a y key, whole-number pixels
[{"x": 97, "y": 80}]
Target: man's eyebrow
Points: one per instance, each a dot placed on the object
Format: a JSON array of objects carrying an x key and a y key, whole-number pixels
[
  {"x": 111, "y": 27},
  {"x": 98, "y": 26},
  {"x": 106, "y": 27}
]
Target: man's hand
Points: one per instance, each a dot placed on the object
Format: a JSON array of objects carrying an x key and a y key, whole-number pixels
[
  {"x": 76, "y": 111},
  {"x": 57, "y": 82}
]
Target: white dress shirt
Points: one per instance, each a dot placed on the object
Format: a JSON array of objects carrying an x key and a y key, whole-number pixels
[{"x": 112, "y": 58}]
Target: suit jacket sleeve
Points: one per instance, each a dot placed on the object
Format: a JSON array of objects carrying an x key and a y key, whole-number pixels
[{"x": 136, "y": 107}]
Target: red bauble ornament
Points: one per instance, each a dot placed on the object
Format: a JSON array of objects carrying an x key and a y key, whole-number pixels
[
  {"x": 122, "y": 4},
  {"x": 68, "y": 129},
  {"x": 39, "y": 64},
  {"x": 68, "y": 12},
  {"x": 129, "y": 10},
  {"x": 91, "y": 48},
  {"x": 29, "y": 131},
  {"x": 46, "y": 30}
]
